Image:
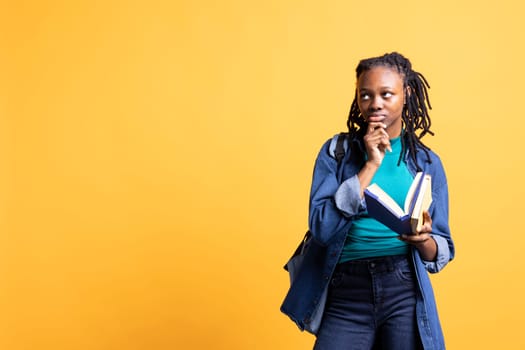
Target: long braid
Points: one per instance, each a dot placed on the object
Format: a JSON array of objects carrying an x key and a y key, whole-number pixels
[{"x": 414, "y": 116}]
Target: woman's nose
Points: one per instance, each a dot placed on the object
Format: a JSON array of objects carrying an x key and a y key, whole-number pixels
[{"x": 376, "y": 104}]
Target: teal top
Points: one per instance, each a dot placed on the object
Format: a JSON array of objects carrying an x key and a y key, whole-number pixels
[{"x": 367, "y": 237}]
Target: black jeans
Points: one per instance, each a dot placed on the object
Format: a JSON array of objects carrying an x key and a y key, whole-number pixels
[{"x": 371, "y": 305}]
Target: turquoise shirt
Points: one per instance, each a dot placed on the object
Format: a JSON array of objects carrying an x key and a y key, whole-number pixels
[{"x": 367, "y": 237}]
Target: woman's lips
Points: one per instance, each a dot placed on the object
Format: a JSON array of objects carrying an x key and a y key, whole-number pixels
[{"x": 375, "y": 115}]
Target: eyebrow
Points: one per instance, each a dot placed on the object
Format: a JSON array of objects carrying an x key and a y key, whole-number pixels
[{"x": 381, "y": 87}]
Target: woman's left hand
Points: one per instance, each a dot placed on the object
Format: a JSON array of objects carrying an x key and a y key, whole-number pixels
[{"x": 422, "y": 239}]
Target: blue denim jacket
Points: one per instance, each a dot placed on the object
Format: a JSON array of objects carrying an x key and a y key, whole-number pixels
[{"x": 334, "y": 201}]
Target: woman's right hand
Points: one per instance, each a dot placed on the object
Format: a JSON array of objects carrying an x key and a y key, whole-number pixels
[{"x": 377, "y": 140}]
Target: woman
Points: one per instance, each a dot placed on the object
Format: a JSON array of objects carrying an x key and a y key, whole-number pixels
[{"x": 379, "y": 293}]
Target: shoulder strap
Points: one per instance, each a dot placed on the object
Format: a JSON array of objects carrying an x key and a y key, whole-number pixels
[{"x": 339, "y": 146}]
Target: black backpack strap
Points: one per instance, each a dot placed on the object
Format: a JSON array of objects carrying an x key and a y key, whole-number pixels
[{"x": 339, "y": 146}]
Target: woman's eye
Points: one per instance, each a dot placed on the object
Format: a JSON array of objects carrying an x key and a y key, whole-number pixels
[
  {"x": 387, "y": 94},
  {"x": 365, "y": 96}
]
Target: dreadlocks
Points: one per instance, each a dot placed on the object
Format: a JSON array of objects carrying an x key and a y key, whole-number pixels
[{"x": 415, "y": 113}]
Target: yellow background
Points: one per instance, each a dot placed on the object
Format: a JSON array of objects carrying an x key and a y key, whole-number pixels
[{"x": 156, "y": 158}]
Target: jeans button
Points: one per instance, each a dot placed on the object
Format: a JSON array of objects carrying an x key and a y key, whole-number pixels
[{"x": 373, "y": 265}]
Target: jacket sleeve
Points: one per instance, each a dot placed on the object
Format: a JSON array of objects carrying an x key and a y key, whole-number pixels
[
  {"x": 439, "y": 212},
  {"x": 332, "y": 203}
]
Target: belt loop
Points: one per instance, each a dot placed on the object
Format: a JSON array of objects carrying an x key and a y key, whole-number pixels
[{"x": 391, "y": 264}]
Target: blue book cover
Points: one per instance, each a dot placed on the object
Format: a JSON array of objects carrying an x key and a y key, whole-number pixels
[
  {"x": 384, "y": 213},
  {"x": 384, "y": 209}
]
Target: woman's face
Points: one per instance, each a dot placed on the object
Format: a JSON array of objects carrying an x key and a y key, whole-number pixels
[{"x": 380, "y": 93}]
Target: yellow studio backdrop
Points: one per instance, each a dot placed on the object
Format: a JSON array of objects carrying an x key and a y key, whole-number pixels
[{"x": 156, "y": 158}]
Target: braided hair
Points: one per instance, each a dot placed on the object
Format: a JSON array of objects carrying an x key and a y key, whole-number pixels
[{"x": 415, "y": 112}]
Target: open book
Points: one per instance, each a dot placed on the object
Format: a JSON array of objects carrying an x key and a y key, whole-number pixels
[{"x": 384, "y": 209}]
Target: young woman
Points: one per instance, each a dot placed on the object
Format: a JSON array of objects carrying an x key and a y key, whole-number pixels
[{"x": 379, "y": 294}]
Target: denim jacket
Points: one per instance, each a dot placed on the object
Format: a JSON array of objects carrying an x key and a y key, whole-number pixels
[{"x": 335, "y": 200}]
